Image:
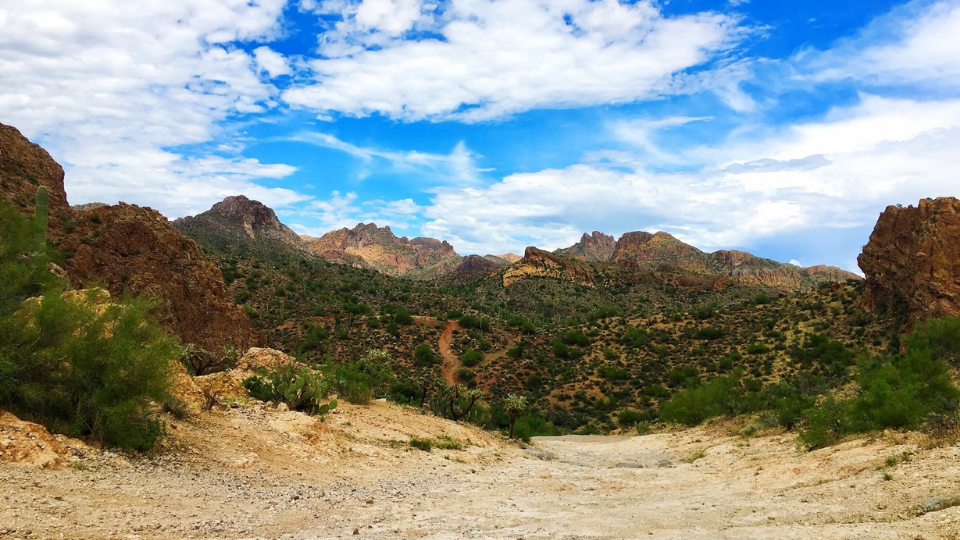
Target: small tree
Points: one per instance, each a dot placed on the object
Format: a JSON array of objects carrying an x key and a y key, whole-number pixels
[
  {"x": 514, "y": 405},
  {"x": 454, "y": 402}
]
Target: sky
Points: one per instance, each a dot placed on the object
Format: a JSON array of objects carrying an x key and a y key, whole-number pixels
[{"x": 779, "y": 128}]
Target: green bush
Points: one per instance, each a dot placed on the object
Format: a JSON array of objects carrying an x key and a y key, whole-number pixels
[
  {"x": 359, "y": 381},
  {"x": 299, "y": 387},
  {"x": 84, "y": 370},
  {"x": 471, "y": 358},
  {"x": 424, "y": 355},
  {"x": 709, "y": 333},
  {"x": 78, "y": 368}
]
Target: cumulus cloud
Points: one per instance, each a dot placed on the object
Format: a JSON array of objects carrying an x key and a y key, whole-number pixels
[
  {"x": 487, "y": 59},
  {"x": 346, "y": 211},
  {"x": 915, "y": 44},
  {"x": 838, "y": 172},
  {"x": 116, "y": 90}
]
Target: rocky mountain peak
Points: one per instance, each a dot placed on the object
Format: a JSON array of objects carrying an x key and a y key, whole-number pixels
[
  {"x": 246, "y": 211},
  {"x": 239, "y": 225},
  {"x": 595, "y": 246}
]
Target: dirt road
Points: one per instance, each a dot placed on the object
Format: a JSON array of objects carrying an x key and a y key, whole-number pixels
[
  {"x": 256, "y": 474},
  {"x": 451, "y": 363}
]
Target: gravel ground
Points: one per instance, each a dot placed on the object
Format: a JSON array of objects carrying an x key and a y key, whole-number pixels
[{"x": 256, "y": 473}]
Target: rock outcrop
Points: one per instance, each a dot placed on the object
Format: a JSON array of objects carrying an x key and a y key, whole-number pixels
[
  {"x": 242, "y": 227},
  {"x": 369, "y": 246},
  {"x": 25, "y": 166},
  {"x": 912, "y": 261},
  {"x": 134, "y": 249},
  {"x": 543, "y": 264},
  {"x": 127, "y": 249},
  {"x": 29, "y": 444},
  {"x": 597, "y": 247}
]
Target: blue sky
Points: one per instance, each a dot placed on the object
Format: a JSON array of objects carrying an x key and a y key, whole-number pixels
[{"x": 781, "y": 128}]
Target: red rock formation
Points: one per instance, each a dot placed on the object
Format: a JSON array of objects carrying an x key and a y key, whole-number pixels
[
  {"x": 369, "y": 246},
  {"x": 912, "y": 260},
  {"x": 135, "y": 249}
]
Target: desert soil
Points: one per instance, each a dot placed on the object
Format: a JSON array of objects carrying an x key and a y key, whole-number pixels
[{"x": 251, "y": 472}]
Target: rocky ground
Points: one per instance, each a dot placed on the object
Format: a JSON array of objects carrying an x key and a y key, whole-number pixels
[{"x": 254, "y": 472}]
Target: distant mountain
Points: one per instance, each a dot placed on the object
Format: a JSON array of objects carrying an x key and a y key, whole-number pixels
[
  {"x": 596, "y": 247},
  {"x": 505, "y": 259},
  {"x": 671, "y": 261},
  {"x": 369, "y": 246},
  {"x": 242, "y": 227}
]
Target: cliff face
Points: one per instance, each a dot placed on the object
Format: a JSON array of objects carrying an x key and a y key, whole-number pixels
[
  {"x": 135, "y": 249},
  {"x": 127, "y": 248},
  {"x": 24, "y": 167},
  {"x": 240, "y": 226},
  {"x": 912, "y": 260},
  {"x": 369, "y": 246}
]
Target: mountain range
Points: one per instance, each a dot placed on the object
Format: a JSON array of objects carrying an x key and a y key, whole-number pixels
[{"x": 239, "y": 226}]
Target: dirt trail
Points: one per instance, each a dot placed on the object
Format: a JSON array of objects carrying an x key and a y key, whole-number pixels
[{"x": 451, "y": 363}]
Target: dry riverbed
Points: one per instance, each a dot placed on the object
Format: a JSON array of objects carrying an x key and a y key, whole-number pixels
[{"x": 250, "y": 472}]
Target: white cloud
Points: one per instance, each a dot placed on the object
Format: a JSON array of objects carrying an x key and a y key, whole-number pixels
[
  {"x": 344, "y": 210},
  {"x": 496, "y": 58},
  {"x": 269, "y": 60},
  {"x": 839, "y": 172},
  {"x": 458, "y": 167},
  {"x": 113, "y": 89},
  {"x": 916, "y": 44}
]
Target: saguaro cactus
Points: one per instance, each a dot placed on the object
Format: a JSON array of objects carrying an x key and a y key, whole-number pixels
[{"x": 40, "y": 216}]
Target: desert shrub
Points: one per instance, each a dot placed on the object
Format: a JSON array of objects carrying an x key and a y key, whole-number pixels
[
  {"x": 82, "y": 369},
  {"x": 901, "y": 391},
  {"x": 469, "y": 321},
  {"x": 635, "y": 337},
  {"x": 199, "y": 361},
  {"x": 709, "y": 333},
  {"x": 360, "y": 380},
  {"x": 301, "y": 388},
  {"x": 471, "y": 358},
  {"x": 424, "y": 355},
  {"x": 78, "y": 368},
  {"x": 572, "y": 337},
  {"x": 757, "y": 348},
  {"x": 466, "y": 374},
  {"x": 613, "y": 373},
  {"x": 705, "y": 312},
  {"x": 532, "y": 425},
  {"x": 402, "y": 316},
  {"x": 762, "y": 298},
  {"x": 719, "y": 396},
  {"x": 629, "y": 418},
  {"x": 456, "y": 403},
  {"x": 940, "y": 337}
]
